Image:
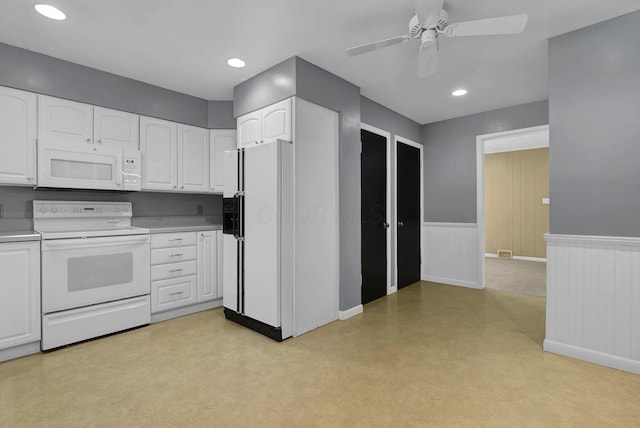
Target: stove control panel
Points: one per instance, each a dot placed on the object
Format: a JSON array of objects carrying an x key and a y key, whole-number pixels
[{"x": 80, "y": 209}]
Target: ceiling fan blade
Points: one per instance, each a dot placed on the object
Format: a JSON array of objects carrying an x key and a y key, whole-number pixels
[
  {"x": 427, "y": 60},
  {"x": 513, "y": 24},
  {"x": 428, "y": 11},
  {"x": 359, "y": 50}
]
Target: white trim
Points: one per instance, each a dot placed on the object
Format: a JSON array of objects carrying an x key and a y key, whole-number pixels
[
  {"x": 480, "y": 143},
  {"x": 523, "y": 258},
  {"x": 186, "y": 310},
  {"x": 591, "y": 239},
  {"x": 451, "y": 281},
  {"x": 343, "y": 315},
  {"x": 456, "y": 225},
  {"x": 387, "y": 135},
  {"x": 19, "y": 351},
  {"x": 591, "y": 356},
  {"x": 401, "y": 140}
]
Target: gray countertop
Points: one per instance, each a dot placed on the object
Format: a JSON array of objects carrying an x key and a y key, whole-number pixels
[
  {"x": 19, "y": 236},
  {"x": 177, "y": 224}
]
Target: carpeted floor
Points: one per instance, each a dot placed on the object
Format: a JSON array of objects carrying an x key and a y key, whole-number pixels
[{"x": 516, "y": 276}]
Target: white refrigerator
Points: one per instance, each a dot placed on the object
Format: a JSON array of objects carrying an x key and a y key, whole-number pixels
[
  {"x": 257, "y": 239},
  {"x": 280, "y": 224}
]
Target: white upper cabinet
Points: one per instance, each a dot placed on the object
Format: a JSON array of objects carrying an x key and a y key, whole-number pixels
[
  {"x": 249, "y": 128},
  {"x": 159, "y": 146},
  {"x": 193, "y": 159},
  {"x": 222, "y": 140},
  {"x": 115, "y": 128},
  {"x": 64, "y": 121},
  {"x": 276, "y": 121},
  {"x": 17, "y": 137},
  {"x": 268, "y": 124}
]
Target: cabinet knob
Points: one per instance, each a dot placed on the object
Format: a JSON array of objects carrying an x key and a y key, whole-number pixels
[
  {"x": 182, "y": 187},
  {"x": 88, "y": 140},
  {"x": 30, "y": 178},
  {"x": 175, "y": 187},
  {"x": 100, "y": 141}
]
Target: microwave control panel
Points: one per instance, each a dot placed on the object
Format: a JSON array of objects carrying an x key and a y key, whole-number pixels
[{"x": 131, "y": 170}]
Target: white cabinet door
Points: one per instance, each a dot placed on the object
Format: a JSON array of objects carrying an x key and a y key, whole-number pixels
[
  {"x": 17, "y": 137},
  {"x": 209, "y": 280},
  {"x": 250, "y": 128},
  {"x": 20, "y": 291},
  {"x": 64, "y": 121},
  {"x": 193, "y": 159},
  {"x": 276, "y": 122},
  {"x": 221, "y": 140},
  {"x": 159, "y": 147},
  {"x": 116, "y": 128}
]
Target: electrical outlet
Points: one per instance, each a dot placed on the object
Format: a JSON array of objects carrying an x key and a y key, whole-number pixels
[
  {"x": 200, "y": 210},
  {"x": 1, "y": 210}
]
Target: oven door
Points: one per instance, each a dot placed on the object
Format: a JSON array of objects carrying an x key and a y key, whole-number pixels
[
  {"x": 79, "y": 166},
  {"x": 84, "y": 271}
]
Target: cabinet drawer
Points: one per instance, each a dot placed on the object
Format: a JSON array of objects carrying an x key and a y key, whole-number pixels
[
  {"x": 173, "y": 293},
  {"x": 163, "y": 240},
  {"x": 161, "y": 256},
  {"x": 173, "y": 270}
]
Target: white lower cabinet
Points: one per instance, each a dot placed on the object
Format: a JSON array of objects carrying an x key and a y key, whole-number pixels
[
  {"x": 19, "y": 293},
  {"x": 185, "y": 269},
  {"x": 209, "y": 265}
]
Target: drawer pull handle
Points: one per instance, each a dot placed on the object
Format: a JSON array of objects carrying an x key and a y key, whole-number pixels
[
  {"x": 177, "y": 293},
  {"x": 176, "y": 255},
  {"x": 176, "y": 270},
  {"x": 175, "y": 239}
]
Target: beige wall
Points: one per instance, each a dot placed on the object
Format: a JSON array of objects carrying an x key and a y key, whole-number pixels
[{"x": 516, "y": 219}]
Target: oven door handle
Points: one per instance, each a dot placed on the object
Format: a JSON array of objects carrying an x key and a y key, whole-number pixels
[{"x": 105, "y": 241}]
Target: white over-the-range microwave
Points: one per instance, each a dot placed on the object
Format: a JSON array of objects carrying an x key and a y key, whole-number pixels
[{"x": 87, "y": 166}]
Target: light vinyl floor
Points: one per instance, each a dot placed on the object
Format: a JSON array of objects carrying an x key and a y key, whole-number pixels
[{"x": 430, "y": 355}]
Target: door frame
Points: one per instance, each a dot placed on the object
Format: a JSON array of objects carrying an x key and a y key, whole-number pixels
[
  {"x": 401, "y": 140},
  {"x": 387, "y": 136},
  {"x": 480, "y": 146}
]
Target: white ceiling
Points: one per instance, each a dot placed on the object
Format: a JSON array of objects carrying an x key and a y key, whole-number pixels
[{"x": 184, "y": 44}]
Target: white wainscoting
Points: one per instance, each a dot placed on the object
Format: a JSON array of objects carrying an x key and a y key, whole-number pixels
[
  {"x": 593, "y": 299},
  {"x": 450, "y": 254}
]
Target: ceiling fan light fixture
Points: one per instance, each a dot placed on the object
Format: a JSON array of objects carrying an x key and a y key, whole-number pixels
[
  {"x": 236, "y": 62},
  {"x": 50, "y": 12},
  {"x": 459, "y": 92}
]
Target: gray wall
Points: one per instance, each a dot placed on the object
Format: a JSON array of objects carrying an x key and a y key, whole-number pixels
[
  {"x": 298, "y": 77},
  {"x": 450, "y": 158},
  {"x": 377, "y": 115},
  {"x": 17, "y": 203},
  {"x": 30, "y": 71},
  {"x": 268, "y": 87},
  {"x": 594, "y": 100},
  {"x": 220, "y": 115}
]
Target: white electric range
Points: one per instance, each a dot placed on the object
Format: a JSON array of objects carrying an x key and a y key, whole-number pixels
[{"x": 95, "y": 270}]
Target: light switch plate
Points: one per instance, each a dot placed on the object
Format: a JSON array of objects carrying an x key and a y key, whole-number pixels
[{"x": 545, "y": 201}]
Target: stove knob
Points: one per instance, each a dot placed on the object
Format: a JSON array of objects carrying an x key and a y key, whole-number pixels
[
  {"x": 117, "y": 209},
  {"x": 54, "y": 210},
  {"x": 43, "y": 209}
]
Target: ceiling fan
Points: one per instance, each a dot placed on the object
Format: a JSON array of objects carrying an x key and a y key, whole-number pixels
[{"x": 431, "y": 21}]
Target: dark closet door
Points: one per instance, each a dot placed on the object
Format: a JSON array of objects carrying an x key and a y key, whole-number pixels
[
  {"x": 408, "y": 215},
  {"x": 373, "y": 216}
]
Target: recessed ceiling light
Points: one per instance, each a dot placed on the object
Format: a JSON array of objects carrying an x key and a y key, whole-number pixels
[
  {"x": 459, "y": 92},
  {"x": 236, "y": 62},
  {"x": 50, "y": 12}
]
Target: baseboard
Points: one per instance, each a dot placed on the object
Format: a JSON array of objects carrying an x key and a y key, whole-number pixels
[
  {"x": 19, "y": 351},
  {"x": 524, "y": 258},
  {"x": 451, "y": 281},
  {"x": 591, "y": 356},
  {"x": 187, "y": 310},
  {"x": 343, "y": 315}
]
